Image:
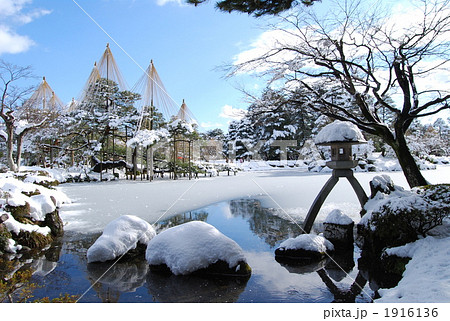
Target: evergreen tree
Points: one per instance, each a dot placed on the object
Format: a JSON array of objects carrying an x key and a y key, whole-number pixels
[{"x": 256, "y": 7}]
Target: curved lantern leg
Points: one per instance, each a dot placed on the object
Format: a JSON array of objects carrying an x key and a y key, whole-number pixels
[
  {"x": 315, "y": 207},
  {"x": 326, "y": 189}
]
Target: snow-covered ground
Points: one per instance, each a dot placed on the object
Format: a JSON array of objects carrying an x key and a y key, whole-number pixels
[{"x": 291, "y": 191}]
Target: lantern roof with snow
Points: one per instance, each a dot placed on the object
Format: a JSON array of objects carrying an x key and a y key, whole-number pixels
[
  {"x": 340, "y": 135},
  {"x": 339, "y": 132}
]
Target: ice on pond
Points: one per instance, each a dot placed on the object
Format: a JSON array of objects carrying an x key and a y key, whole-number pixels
[{"x": 120, "y": 236}]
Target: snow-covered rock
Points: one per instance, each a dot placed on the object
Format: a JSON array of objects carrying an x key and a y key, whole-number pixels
[
  {"x": 338, "y": 229},
  {"x": 303, "y": 249},
  {"x": 14, "y": 226},
  {"x": 193, "y": 246},
  {"x": 337, "y": 217},
  {"x": 339, "y": 131},
  {"x": 120, "y": 236},
  {"x": 308, "y": 242}
]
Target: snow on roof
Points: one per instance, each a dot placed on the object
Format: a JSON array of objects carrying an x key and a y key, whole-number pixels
[
  {"x": 339, "y": 131},
  {"x": 309, "y": 242},
  {"x": 120, "y": 236},
  {"x": 337, "y": 217},
  {"x": 192, "y": 246}
]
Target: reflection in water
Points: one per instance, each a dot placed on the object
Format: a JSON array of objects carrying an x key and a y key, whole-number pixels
[
  {"x": 181, "y": 219},
  {"x": 312, "y": 266},
  {"x": 272, "y": 229},
  {"x": 341, "y": 295},
  {"x": 117, "y": 278},
  {"x": 194, "y": 289}
]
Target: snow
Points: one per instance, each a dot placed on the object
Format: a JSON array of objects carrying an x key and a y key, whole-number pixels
[
  {"x": 339, "y": 131},
  {"x": 290, "y": 192},
  {"x": 192, "y": 246},
  {"x": 12, "y": 247},
  {"x": 427, "y": 275},
  {"x": 120, "y": 236},
  {"x": 309, "y": 242},
  {"x": 13, "y": 226},
  {"x": 336, "y": 216},
  {"x": 147, "y": 137},
  {"x": 39, "y": 204}
]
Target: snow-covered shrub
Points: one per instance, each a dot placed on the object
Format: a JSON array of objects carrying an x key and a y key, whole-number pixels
[{"x": 395, "y": 216}]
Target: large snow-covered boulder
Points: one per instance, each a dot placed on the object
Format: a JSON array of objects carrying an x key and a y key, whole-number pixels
[
  {"x": 120, "y": 236},
  {"x": 305, "y": 247},
  {"x": 338, "y": 229},
  {"x": 196, "y": 247},
  {"x": 339, "y": 131}
]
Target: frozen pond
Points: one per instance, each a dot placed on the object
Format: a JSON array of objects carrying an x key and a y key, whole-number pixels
[
  {"x": 254, "y": 228},
  {"x": 254, "y": 209}
]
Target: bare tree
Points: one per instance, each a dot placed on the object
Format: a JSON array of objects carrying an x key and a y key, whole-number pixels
[
  {"x": 12, "y": 98},
  {"x": 358, "y": 55}
]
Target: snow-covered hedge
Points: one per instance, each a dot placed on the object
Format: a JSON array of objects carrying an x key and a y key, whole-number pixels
[{"x": 395, "y": 216}]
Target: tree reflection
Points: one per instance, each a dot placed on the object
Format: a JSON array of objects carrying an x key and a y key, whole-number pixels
[
  {"x": 181, "y": 219},
  {"x": 194, "y": 289},
  {"x": 263, "y": 221}
]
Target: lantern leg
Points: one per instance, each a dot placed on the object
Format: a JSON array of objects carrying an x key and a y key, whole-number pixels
[
  {"x": 362, "y": 197},
  {"x": 314, "y": 210}
]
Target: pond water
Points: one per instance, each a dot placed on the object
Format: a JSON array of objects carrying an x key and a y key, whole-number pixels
[{"x": 64, "y": 269}]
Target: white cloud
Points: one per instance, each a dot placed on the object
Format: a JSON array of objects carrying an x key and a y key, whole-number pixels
[
  {"x": 13, "y": 13},
  {"x": 12, "y": 7},
  {"x": 211, "y": 125},
  {"x": 164, "y": 2},
  {"x": 11, "y": 42},
  {"x": 232, "y": 113}
]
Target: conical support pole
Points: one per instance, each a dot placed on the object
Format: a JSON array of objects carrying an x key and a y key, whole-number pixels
[{"x": 325, "y": 191}]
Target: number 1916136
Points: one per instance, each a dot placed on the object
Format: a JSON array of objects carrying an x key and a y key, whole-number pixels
[{"x": 410, "y": 312}]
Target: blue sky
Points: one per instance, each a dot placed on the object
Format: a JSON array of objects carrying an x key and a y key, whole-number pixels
[{"x": 186, "y": 43}]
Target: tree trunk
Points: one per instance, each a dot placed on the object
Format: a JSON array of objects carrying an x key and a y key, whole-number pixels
[
  {"x": 409, "y": 166},
  {"x": 19, "y": 151},
  {"x": 10, "y": 146}
]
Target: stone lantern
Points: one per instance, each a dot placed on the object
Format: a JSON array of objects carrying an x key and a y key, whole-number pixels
[{"x": 340, "y": 136}]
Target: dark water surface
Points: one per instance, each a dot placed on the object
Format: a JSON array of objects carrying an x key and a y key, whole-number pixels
[{"x": 64, "y": 269}]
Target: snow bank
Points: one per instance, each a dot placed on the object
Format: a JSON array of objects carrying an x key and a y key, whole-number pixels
[
  {"x": 14, "y": 226},
  {"x": 308, "y": 242},
  {"x": 427, "y": 274},
  {"x": 120, "y": 236},
  {"x": 339, "y": 131},
  {"x": 192, "y": 246},
  {"x": 337, "y": 217},
  {"x": 46, "y": 202}
]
